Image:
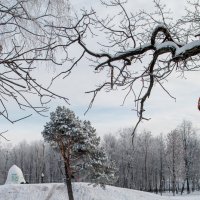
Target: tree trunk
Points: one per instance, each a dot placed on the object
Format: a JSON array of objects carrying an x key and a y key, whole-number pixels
[
  {"x": 145, "y": 172},
  {"x": 69, "y": 183},
  {"x": 173, "y": 172},
  {"x": 173, "y": 185},
  {"x": 69, "y": 189},
  {"x": 188, "y": 185},
  {"x": 183, "y": 186}
]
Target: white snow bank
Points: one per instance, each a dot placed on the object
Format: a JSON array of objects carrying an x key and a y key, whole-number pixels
[
  {"x": 82, "y": 191},
  {"x": 15, "y": 176}
]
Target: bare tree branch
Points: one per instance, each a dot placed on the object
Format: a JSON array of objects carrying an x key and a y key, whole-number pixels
[{"x": 130, "y": 38}]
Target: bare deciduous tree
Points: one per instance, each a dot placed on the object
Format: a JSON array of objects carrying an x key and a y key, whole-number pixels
[
  {"x": 27, "y": 42},
  {"x": 130, "y": 40}
]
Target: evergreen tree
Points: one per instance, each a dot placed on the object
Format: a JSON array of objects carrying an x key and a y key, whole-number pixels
[{"x": 78, "y": 144}]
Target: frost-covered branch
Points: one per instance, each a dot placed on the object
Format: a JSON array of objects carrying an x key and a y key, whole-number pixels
[
  {"x": 130, "y": 38},
  {"x": 26, "y": 42}
]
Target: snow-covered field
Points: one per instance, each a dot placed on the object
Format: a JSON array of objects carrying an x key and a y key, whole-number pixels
[{"x": 82, "y": 191}]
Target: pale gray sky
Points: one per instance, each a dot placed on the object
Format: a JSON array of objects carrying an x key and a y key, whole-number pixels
[{"x": 107, "y": 115}]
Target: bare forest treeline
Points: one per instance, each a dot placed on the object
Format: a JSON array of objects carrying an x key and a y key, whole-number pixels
[
  {"x": 150, "y": 163},
  {"x": 157, "y": 163},
  {"x": 34, "y": 159}
]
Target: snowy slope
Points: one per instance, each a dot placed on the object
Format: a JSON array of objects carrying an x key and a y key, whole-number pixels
[{"x": 82, "y": 191}]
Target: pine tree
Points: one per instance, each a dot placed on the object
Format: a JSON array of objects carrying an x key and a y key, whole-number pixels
[{"x": 78, "y": 144}]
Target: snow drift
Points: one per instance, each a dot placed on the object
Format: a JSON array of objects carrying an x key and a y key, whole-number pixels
[{"x": 82, "y": 191}]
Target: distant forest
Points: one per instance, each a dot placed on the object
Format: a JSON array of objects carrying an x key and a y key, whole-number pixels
[{"x": 146, "y": 162}]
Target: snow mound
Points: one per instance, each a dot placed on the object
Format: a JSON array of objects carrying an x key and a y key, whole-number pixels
[
  {"x": 15, "y": 176},
  {"x": 82, "y": 191}
]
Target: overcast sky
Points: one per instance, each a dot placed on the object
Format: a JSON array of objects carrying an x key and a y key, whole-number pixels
[{"x": 107, "y": 114}]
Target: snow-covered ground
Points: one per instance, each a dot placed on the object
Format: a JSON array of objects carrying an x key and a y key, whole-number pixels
[{"x": 82, "y": 191}]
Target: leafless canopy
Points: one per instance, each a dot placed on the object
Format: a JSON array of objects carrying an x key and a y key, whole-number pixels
[
  {"x": 26, "y": 43},
  {"x": 127, "y": 41},
  {"x": 136, "y": 50}
]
